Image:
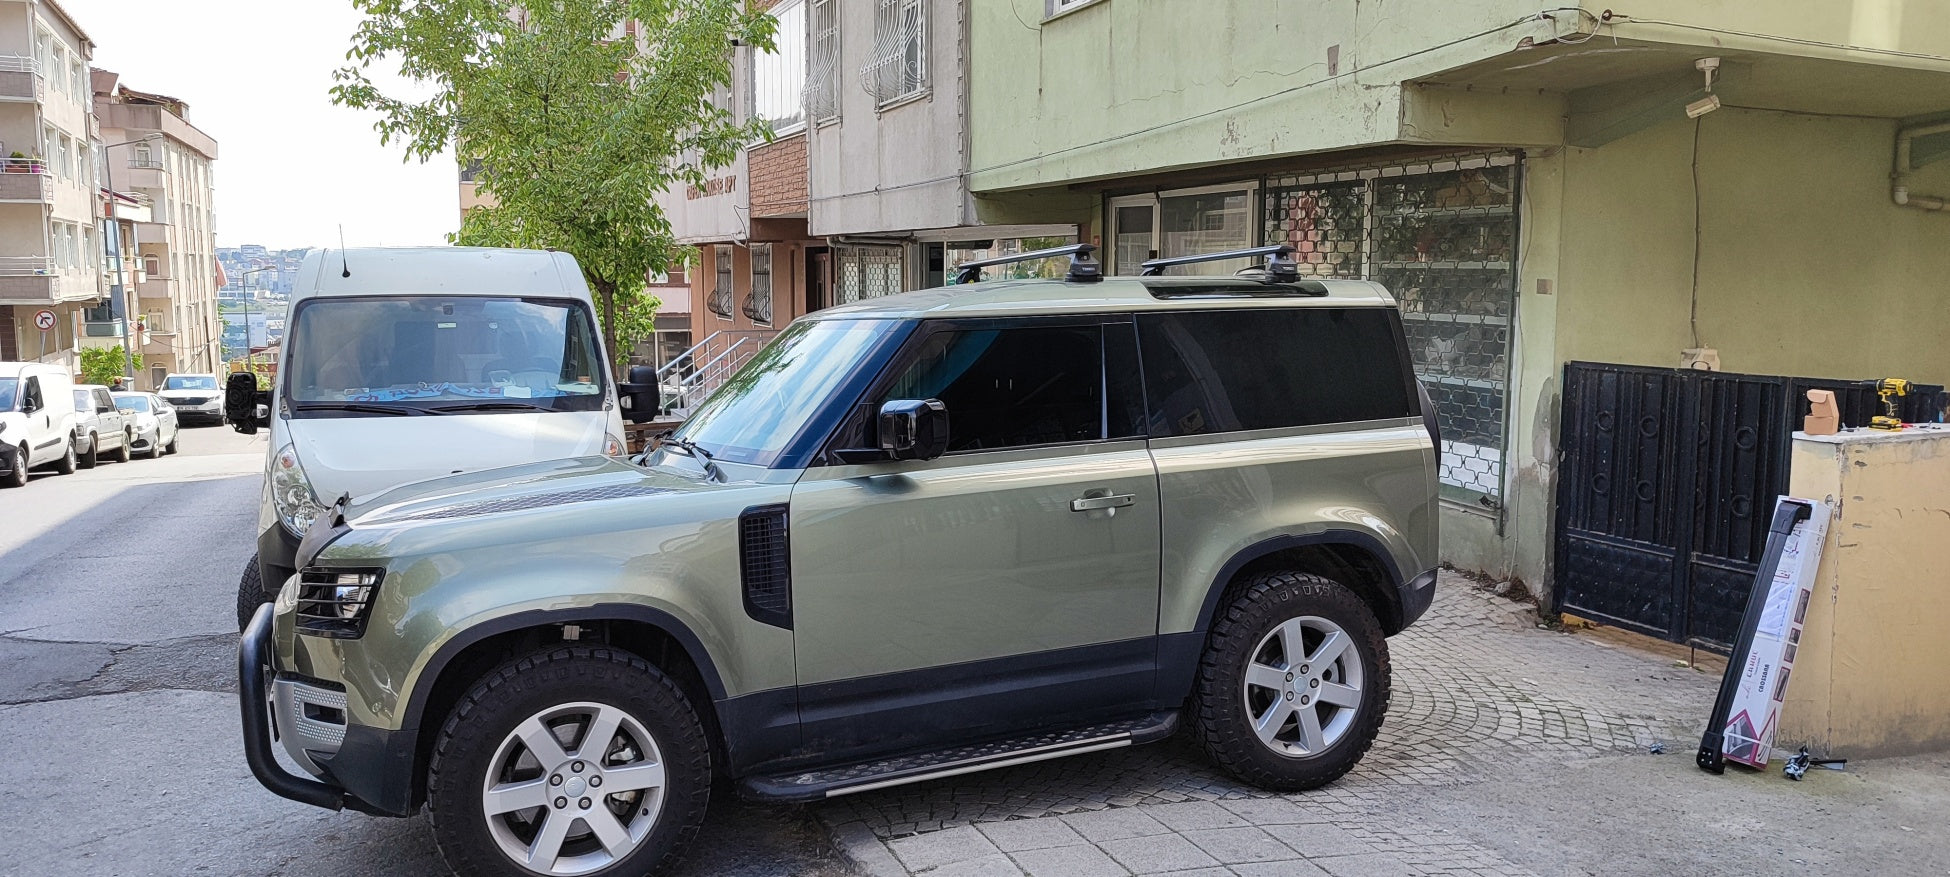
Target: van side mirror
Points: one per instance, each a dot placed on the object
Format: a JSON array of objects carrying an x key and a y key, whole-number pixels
[
  {"x": 638, "y": 396},
  {"x": 914, "y": 429},
  {"x": 240, "y": 408}
]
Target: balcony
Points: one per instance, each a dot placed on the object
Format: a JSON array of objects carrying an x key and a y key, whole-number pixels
[
  {"x": 20, "y": 79},
  {"x": 102, "y": 329},
  {"x": 25, "y": 180},
  {"x": 146, "y": 164}
]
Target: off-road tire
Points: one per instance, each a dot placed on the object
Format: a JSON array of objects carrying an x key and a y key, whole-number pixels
[
  {"x": 250, "y": 594},
  {"x": 524, "y": 686},
  {"x": 19, "y": 476},
  {"x": 68, "y": 463},
  {"x": 126, "y": 452},
  {"x": 1220, "y": 719},
  {"x": 94, "y": 455}
]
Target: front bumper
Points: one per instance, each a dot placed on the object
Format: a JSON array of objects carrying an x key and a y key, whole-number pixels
[
  {"x": 210, "y": 410},
  {"x": 8, "y": 458},
  {"x": 364, "y": 769}
]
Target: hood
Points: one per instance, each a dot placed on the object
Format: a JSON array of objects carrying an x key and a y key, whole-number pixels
[
  {"x": 365, "y": 455},
  {"x": 518, "y": 488}
]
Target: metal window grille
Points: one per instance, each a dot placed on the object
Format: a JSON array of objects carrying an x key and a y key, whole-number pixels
[
  {"x": 1442, "y": 238},
  {"x": 899, "y": 67},
  {"x": 720, "y": 298},
  {"x": 867, "y": 272},
  {"x": 823, "y": 77},
  {"x": 758, "y": 302}
]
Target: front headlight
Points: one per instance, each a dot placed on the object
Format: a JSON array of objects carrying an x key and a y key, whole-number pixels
[
  {"x": 335, "y": 602},
  {"x": 291, "y": 492}
]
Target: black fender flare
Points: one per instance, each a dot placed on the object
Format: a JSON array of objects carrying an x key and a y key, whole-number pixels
[{"x": 1354, "y": 538}]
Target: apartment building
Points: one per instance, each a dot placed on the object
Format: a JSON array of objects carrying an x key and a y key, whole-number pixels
[
  {"x": 50, "y": 249},
  {"x": 1571, "y": 204},
  {"x": 165, "y": 159}
]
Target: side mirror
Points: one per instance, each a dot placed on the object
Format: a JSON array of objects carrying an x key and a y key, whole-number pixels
[
  {"x": 914, "y": 429},
  {"x": 638, "y": 396},
  {"x": 240, "y": 403}
]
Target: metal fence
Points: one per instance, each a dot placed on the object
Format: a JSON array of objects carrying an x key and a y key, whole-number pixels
[{"x": 1441, "y": 236}]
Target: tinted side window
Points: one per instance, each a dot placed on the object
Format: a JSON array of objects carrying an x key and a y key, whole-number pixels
[
  {"x": 1222, "y": 371},
  {"x": 1010, "y": 387}
]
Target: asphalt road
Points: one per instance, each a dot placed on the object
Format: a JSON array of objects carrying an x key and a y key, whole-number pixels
[{"x": 119, "y": 740}]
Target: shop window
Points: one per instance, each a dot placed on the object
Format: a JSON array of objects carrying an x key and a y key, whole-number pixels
[
  {"x": 758, "y": 301},
  {"x": 719, "y": 302},
  {"x": 1442, "y": 237}
]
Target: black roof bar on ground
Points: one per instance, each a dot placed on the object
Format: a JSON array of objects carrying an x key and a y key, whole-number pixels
[
  {"x": 1280, "y": 267},
  {"x": 1083, "y": 268}
]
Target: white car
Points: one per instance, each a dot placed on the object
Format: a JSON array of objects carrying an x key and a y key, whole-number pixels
[
  {"x": 100, "y": 426},
  {"x": 155, "y": 423},
  {"x": 195, "y": 397},
  {"x": 37, "y": 420}
]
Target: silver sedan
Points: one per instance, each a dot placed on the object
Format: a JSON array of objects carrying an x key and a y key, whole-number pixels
[{"x": 155, "y": 423}]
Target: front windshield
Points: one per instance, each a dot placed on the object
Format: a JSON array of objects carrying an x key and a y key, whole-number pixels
[
  {"x": 189, "y": 382},
  {"x": 752, "y": 417},
  {"x": 7, "y": 393},
  {"x": 429, "y": 352},
  {"x": 132, "y": 401}
]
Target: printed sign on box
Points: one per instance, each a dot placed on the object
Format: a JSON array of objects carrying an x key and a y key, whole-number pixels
[{"x": 1770, "y": 662}]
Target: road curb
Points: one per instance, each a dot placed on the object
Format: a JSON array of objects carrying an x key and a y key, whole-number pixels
[{"x": 863, "y": 852}]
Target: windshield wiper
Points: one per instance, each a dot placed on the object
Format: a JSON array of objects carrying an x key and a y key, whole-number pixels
[
  {"x": 487, "y": 406},
  {"x": 355, "y": 406},
  {"x": 702, "y": 456}
]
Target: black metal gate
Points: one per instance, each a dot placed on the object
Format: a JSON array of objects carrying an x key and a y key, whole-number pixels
[{"x": 1666, "y": 480}]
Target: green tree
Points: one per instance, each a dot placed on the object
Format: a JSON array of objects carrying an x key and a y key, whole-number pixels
[
  {"x": 576, "y": 114},
  {"x": 103, "y": 365}
]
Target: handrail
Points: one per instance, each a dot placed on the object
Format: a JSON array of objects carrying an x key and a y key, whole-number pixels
[
  {"x": 25, "y": 166},
  {"x": 19, "y": 64},
  {"x": 26, "y": 266}
]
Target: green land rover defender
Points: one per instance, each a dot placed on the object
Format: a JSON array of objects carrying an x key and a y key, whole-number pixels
[{"x": 916, "y": 536}]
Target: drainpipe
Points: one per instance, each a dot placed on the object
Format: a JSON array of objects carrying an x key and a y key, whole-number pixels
[{"x": 1899, "y": 192}]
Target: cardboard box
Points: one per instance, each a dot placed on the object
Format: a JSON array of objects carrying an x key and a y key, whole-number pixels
[{"x": 1824, "y": 418}]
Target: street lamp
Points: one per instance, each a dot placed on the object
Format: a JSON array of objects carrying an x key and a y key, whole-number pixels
[{"x": 128, "y": 307}]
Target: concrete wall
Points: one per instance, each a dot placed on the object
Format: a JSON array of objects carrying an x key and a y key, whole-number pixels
[
  {"x": 895, "y": 169},
  {"x": 1869, "y": 677}
]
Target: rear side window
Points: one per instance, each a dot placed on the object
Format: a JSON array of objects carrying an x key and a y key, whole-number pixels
[{"x": 1225, "y": 371}]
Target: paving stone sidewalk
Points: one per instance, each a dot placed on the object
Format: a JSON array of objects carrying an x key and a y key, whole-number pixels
[{"x": 1479, "y": 691}]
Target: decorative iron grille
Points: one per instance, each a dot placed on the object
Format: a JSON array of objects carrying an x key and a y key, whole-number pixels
[
  {"x": 758, "y": 302},
  {"x": 900, "y": 52},
  {"x": 823, "y": 75},
  {"x": 866, "y": 272},
  {"x": 720, "y": 299},
  {"x": 1442, "y": 238}
]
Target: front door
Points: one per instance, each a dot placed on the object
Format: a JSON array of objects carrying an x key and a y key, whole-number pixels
[{"x": 1011, "y": 583}]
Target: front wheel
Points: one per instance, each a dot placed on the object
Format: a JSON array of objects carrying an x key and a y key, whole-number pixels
[
  {"x": 250, "y": 593},
  {"x": 68, "y": 462},
  {"x": 17, "y": 478},
  {"x": 573, "y": 761},
  {"x": 1294, "y": 682},
  {"x": 171, "y": 447}
]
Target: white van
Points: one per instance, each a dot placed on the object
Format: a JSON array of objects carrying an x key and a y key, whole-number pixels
[
  {"x": 37, "y": 420},
  {"x": 403, "y": 364}
]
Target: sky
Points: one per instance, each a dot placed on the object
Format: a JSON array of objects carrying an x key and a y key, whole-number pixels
[{"x": 292, "y": 166}]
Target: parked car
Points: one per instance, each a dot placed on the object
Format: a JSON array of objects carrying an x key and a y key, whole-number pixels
[
  {"x": 501, "y": 347},
  {"x": 37, "y": 421},
  {"x": 196, "y": 398},
  {"x": 915, "y": 536},
  {"x": 100, "y": 426},
  {"x": 156, "y": 426}
]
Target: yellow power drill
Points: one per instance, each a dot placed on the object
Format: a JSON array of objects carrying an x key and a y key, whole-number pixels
[{"x": 1890, "y": 389}]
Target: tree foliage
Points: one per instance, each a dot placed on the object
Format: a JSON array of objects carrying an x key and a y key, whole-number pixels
[
  {"x": 575, "y": 113},
  {"x": 103, "y": 365}
]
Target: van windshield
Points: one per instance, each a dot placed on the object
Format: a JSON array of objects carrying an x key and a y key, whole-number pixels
[{"x": 422, "y": 354}]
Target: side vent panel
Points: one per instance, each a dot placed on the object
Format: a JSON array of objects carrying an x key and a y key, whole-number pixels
[{"x": 765, "y": 563}]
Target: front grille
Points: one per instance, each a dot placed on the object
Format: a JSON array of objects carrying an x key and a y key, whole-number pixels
[
  {"x": 190, "y": 400},
  {"x": 765, "y": 564},
  {"x": 334, "y": 602}
]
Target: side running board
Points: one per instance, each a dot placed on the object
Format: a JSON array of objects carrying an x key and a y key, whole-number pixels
[{"x": 920, "y": 767}]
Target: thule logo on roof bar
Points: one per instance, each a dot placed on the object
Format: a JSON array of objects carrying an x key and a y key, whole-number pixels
[
  {"x": 1279, "y": 267},
  {"x": 1084, "y": 267}
]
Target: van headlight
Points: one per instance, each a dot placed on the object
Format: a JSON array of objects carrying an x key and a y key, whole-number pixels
[
  {"x": 614, "y": 447},
  {"x": 291, "y": 492}
]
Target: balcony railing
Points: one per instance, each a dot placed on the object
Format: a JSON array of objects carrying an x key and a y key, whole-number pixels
[
  {"x": 102, "y": 329},
  {"x": 146, "y": 164},
  {"x": 26, "y": 266}
]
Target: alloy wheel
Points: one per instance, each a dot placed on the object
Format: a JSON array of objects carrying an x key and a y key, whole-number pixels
[
  {"x": 573, "y": 789},
  {"x": 1302, "y": 686}
]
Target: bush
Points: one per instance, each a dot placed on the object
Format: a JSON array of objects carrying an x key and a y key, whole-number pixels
[{"x": 102, "y": 365}]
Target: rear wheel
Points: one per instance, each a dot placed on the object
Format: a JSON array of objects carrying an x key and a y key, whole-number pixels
[
  {"x": 68, "y": 463},
  {"x": 171, "y": 447},
  {"x": 88, "y": 460},
  {"x": 250, "y": 593},
  {"x": 572, "y": 761},
  {"x": 128, "y": 445},
  {"x": 1294, "y": 683}
]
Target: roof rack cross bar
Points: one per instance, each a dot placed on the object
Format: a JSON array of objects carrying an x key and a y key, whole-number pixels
[
  {"x": 1280, "y": 267},
  {"x": 1083, "y": 267}
]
